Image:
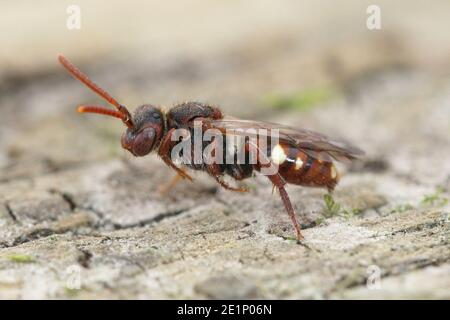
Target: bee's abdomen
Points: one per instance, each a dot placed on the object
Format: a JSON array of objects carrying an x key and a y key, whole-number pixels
[{"x": 297, "y": 167}]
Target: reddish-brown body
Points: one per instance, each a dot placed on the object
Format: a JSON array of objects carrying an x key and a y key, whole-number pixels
[
  {"x": 302, "y": 157},
  {"x": 311, "y": 173}
]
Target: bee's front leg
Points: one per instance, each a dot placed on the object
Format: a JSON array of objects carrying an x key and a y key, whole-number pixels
[{"x": 164, "y": 152}]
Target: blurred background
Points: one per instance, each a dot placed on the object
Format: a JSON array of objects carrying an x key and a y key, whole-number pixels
[
  {"x": 313, "y": 64},
  {"x": 310, "y": 64}
]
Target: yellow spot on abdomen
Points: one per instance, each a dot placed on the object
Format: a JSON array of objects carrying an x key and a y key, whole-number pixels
[
  {"x": 298, "y": 164},
  {"x": 333, "y": 172},
  {"x": 278, "y": 155}
]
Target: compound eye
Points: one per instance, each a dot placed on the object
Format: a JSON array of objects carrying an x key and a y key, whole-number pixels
[{"x": 143, "y": 142}]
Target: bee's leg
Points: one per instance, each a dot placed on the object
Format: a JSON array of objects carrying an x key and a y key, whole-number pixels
[
  {"x": 226, "y": 186},
  {"x": 164, "y": 189},
  {"x": 278, "y": 181},
  {"x": 164, "y": 153},
  {"x": 215, "y": 171}
]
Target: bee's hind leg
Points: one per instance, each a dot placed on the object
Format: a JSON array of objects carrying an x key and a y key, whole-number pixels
[{"x": 278, "y": 181}]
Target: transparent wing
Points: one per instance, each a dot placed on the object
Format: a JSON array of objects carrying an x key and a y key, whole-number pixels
[{"x": 315, "y": 144}]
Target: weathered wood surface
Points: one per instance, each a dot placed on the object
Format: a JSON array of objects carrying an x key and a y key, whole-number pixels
[{"x": 73, "y": 203}]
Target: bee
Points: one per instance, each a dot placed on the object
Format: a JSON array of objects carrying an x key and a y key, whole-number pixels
[{"x": 301, "y": 157}]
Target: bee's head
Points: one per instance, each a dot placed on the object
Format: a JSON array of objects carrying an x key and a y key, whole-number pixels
[{"x": 146, "y": 132}]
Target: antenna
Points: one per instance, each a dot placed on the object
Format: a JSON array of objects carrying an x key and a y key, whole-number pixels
[{"x": 125, "y": 115}]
